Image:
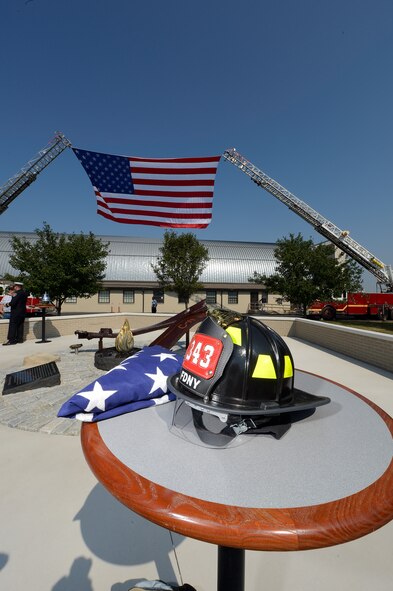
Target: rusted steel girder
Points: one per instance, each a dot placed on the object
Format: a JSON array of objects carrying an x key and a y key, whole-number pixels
[{"x": 176, "y": 327}]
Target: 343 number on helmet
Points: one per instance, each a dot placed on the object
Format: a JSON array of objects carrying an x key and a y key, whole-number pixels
[{"x": 202, "y": 355}]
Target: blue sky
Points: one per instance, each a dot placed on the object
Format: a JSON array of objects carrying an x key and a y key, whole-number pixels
[{"x": 302, "y": 89}]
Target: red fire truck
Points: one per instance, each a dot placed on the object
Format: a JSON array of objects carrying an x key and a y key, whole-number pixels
[
  {"x": 365, "y": 305},
  {"x": 31, "y": 304}
]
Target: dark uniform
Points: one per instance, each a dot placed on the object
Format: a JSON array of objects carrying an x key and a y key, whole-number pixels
[{"x": 17, "y": 318}]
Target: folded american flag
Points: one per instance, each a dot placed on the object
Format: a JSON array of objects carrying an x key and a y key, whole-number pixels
[
  {"x": 138, "y": 382},
  {"x": 167, "y": 192}
]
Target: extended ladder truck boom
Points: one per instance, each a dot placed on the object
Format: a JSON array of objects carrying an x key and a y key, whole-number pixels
[
  {"x": 340, "y": 238},
  {"x": 28, "y": 174}
]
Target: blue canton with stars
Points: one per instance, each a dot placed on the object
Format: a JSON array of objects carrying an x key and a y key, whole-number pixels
[
  {"x": 138, "y": 382},
  {"x": 108, "y": 173}
]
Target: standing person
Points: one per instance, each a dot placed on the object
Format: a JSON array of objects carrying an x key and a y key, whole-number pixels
[
  {"x": 18, "y": 314},
  {"x": 5, "y": 302},
  {"x": 153, "y": 305}
]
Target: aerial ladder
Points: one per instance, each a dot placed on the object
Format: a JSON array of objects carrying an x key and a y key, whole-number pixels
[
  {"x": 28, "y": 174},
  {"x": 340, "y": 238}
]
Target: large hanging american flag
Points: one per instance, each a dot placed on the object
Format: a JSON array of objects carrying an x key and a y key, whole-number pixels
[{"x": 168, "y": 192}]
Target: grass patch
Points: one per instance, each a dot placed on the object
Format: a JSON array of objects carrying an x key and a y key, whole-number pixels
[{"x": 378, "y": 326}]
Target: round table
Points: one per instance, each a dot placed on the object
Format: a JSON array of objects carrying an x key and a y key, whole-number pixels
[{"x": 329, "y": 480}]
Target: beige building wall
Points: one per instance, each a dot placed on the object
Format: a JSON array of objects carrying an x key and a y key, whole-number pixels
[
  {"x": 171, "y": 305},
  {"x": 366, "y": 346}
]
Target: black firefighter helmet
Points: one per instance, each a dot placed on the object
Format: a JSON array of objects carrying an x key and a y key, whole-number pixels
[{"x": 244, "y": 374}]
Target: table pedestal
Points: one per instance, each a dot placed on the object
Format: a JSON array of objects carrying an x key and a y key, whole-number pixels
[{"x": 230, "y": 569}]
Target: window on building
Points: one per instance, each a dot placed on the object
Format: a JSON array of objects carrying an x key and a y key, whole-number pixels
[
  {"x": 128, "y": 296},
  {"x": 211, "y": 296},
  {"x": 70, "y": 300},
  {"x": 264, "y": 296},
  {"x": 104, "y": 296},
  {"x": 158, "y": 294},
  {"x": 233, "y": 296}
]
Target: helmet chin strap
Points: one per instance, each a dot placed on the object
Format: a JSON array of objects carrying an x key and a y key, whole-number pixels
[{"x": 276, "y": 426}]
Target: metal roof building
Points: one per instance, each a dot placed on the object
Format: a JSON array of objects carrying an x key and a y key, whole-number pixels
[
  {"x": 130, "y": 282},
  {"x": 130, "y": 258}
]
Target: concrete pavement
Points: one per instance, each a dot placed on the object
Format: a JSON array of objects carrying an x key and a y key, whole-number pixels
[{"x": 61, "y": 531}]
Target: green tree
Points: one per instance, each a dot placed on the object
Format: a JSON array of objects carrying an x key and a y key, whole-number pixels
[
  {"x": 182, "y": 260},
  {"x": 59, "y": 264},
  {"x": 307, "y": 272}
]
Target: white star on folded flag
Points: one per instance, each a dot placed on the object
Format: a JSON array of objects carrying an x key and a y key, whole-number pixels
[
  {"x": 163, "y": 356},
  {"x": 97, "y": 397},
  {"x": 159, "y": 381},
  {"x": 140, "y": 382}
]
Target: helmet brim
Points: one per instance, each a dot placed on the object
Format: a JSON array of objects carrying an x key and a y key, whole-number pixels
[{"x": 301, "y": 401}]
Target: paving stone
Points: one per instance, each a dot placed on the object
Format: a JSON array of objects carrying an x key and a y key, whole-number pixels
[
  {"x": 54, "y": 397},
  {"x": 73, "y": 428},
  {"x": 17, "y": 419},
  {"x": 5, "y": 414},
  {"x": 35, "y": 424},
  {"x": 62, "y": 427}
]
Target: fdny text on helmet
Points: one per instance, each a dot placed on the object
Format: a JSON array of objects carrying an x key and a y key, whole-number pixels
[{"x": 189, "y": 380}]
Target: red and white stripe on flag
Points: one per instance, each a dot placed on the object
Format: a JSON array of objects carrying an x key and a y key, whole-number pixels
[{"x": 168, "y": 192}]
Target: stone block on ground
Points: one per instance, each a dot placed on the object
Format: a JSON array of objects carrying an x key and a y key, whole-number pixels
[{"x": 40, "y": 359}]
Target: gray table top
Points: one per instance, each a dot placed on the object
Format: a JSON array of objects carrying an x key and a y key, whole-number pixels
[{"x": 341, "y": 449}]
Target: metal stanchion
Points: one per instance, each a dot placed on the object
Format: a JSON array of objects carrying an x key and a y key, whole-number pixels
[{"x": 45, "y": 303}]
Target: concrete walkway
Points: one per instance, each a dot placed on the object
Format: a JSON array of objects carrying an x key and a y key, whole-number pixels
[{"x": 61, "y": 531}]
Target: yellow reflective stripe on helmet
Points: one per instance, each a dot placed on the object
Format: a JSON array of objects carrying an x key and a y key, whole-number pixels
[
  {"x": 264, "y": 368},
  {"x": 288, "y": 367},
  {"x": 235, "y": 334}
]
